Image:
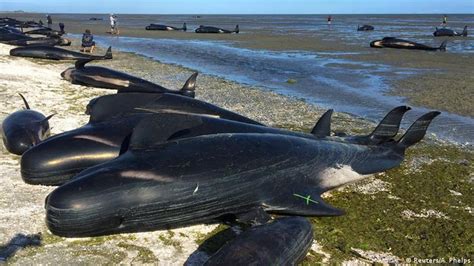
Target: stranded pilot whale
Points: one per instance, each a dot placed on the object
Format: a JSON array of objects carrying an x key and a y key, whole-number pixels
[
  {"x": 213, "y": 178},
  {"x": 210, "y": 29},
  {"x": 24, "y": 129},
  {"x": 284, "y": 241},
  {"x": 55, "y": 53},
  {"x": 449, "y": 33},
  {"x": 392, "y": 42},
  {"x": 101, "y": 77},
  {"x": 113, "y": 118},
  {"x": 365, "y": 28},
  {"x": 165, "y": 27}
]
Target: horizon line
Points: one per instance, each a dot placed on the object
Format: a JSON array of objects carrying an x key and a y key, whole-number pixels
[{"x": 237, "y": 14}]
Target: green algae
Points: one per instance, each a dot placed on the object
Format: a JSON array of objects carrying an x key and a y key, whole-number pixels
[
  {"x": 377, "y": 222},
  {"x": 169, "y": 241},
  {"x": 145, "y": 255}
]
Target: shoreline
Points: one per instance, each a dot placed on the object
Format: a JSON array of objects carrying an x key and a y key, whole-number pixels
[{"x": 43, "y": 87}]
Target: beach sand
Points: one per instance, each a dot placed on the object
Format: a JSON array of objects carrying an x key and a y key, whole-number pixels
[{"x": 389, "y": 204}]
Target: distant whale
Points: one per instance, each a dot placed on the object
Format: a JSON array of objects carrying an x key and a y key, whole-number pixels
[
  {"x": 165, "y": 27},
  {"x": 210, "y": 29},
  {"x": 238, "y": 177},
  {"x": 365, "y": 28},
  {"x": 449, "y": 33},
  {"x": 101, "y": 77},
  {"x": 55, "y": 53},
  {"x": 392, "y": 42},
  {"x": 24, "y": 129},
  {"x": 259, "y": 245}
]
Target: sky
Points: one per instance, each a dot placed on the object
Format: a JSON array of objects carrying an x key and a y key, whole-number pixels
[{"x": 242, "y": 6}]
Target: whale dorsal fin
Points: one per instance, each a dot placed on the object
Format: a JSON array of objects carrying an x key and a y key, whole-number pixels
[
  {"x": 390, "y": 124},
  {"x": 27, "y": 106},
  {"x": 82, "y": 62},
  {"x": 116, "y": 105},
  {"x": 189, "y": 87},
  {"x": 158, "y": 128},
  {"x": 323, "y": 126}
]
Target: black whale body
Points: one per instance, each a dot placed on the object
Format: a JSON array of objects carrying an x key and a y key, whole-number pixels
[
  {"x": 102, "y": 77},
  {"x": 112, "y": 119},
  {"x": 365, "y": 28},
  {"x": 285, "y": 241},
  {"x": 23, "y": 129},
  {"x": 108, "y": 126},
  {"x": 392, "y": 42},
  {"x": 55, "y": 53},
  {"x": 161, "y": 27},
  {"x": 210, "y": 178},
  {"x": 210, "y": 29},
  {"x": 444, "y": 32},
  {"x": 45, "y": 31}
]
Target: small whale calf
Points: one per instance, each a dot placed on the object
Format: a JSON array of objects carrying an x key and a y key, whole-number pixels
[
  {"x": 165, "y": 27},
  {"x": 392, "y": 42},
  {"x": 365, "y": 28},
  {"x": 444, "y": 32},
  {"x": 55, "y": 53},
  {"x": 210, "y": 29},
  {"x": 23, "y": 129},
  {"x": 101, "y": 77}
]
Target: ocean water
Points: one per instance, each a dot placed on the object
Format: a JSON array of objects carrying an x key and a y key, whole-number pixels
[{"x": 347, "y": 86}]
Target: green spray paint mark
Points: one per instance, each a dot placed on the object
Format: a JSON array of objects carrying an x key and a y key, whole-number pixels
[{"x": 308, "y": 198}]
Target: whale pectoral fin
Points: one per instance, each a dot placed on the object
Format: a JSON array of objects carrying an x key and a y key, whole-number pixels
[
  {"x": 323, "y": 126},
  {"x": 27, "y": 106},
  {"x": 304, "y": 204},
  {"x": 255, "y": 216}
]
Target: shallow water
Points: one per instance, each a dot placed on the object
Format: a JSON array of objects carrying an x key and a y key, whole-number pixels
[
  {"x": 344, "y": 85},
  {"x": 322, "y": 78}
]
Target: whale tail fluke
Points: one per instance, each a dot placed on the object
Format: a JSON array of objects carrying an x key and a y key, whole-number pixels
[
  {"x": 323, "y": 126},
  {"x": 237, "y": 30},
  {"x": 389, "y": 126},
  {"x": 27, "y": 106},
  {"x": 442, "y": 47},
  {"x": 417, "y": 130},
  {"x": 185, "y": 28},
  {"x": 464, "y": 31},
  {"x": 108, "y": 54},
  {"x": 190, "y": 86}
]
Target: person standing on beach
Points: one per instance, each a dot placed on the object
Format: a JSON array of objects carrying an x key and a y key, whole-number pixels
[
  {"x": 445, "y": 21},
  {"x": 50, "y": 21},
  {"x": 329, "y": 20},
  {"x": 113, "y": 24}
]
